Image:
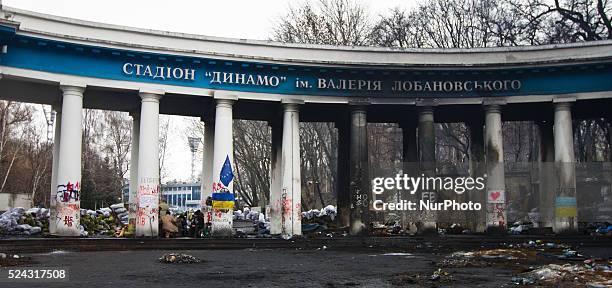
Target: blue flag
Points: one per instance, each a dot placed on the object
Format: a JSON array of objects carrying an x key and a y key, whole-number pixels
[{"x": 226, "y": 174}]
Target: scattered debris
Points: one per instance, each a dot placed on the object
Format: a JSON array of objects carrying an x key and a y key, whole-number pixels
[
  {"x": 15, "y": 260},
  {"x": 179, "y": 258},
  {"x": 592, "y": 275},
  {"x": 440, "y": 276},
  {"x": 483, "y": 258},
  {"x": 521, "y": 227},
  {"x": 397, "y": 254}
]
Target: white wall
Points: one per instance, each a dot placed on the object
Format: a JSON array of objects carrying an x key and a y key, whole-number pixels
[{"x": 8, "y": 200}]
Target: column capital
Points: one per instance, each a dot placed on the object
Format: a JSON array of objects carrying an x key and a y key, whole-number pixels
[
  {"x": 291, "y": 105},
  {"x": 223, "y": 102},
  {"x": 358, "y": 106},
  {"x": 149, "y": 96},
  {"x": 492, "y": 108},
  {"x": 426, "y": 109},
  {"x": 76, "y": 89},
  {"x": 563, "y": 106},
  {"x": 425, "y": 113}
]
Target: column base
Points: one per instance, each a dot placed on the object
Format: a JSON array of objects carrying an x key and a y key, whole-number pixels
[
  {"x": 565, "y": 225},
  {"x": 358, "y": 228},
  {"x": 221, "y": 224},
  {"x": 427, "y": 228}
]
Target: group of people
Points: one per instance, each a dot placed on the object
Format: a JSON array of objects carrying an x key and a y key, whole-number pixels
[{"x": 187, "y": 224}]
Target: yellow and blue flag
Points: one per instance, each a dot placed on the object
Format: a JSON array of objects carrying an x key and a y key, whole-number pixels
[{"x": 223, "y": 200}]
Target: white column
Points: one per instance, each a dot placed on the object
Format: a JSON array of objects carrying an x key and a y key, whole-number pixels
[
  {"x": 565, "y": 201},
  {"x": 494, "y": 153},
  {"x": 276, "y": 159},
  {"x": 207, "y": 162},
  {"x": 68, "y": 202},
  {"x": 361, "y": 195},
  {"x": 132, "y": 202},
  {"x": 547, "y": 192},
  {"x": 148, "y": 167},
  {"x": 291, "y": 194},
  {"x": 477, "y": 219},
  {"x": 56, "y": 146},
  {"x": 427, "y": 159},
  {"x": 223, "y": 163}
]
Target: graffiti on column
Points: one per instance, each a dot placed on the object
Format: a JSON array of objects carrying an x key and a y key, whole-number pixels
[
  {"x": 148, "y": 203},
  {"x": 67, "y": 207},
  {"x": 67, "y": 193},
  {"x": 359, "y": 199},
  {"x": 67, "y": 216},
  {"x": 286, "y": 203},
  {"x": 496, "y": 208},
  {"x": 496, "y": 214}
]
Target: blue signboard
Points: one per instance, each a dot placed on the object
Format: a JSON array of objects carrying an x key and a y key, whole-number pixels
[{"x": 90, "y": 61}]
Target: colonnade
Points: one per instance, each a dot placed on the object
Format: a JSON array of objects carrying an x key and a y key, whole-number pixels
[
  {"x": 557, "y": 205},
  {"x": 354, "y": 192}
]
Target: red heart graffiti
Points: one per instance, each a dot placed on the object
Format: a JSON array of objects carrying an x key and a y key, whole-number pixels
[{"x": 495, "y": 195}]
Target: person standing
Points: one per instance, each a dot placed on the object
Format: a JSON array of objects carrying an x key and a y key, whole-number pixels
[{"x": 168, "y": 225}]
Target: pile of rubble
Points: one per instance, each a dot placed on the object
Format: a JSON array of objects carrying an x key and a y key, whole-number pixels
[
  {"x": 438, "y": 278},
  {"x": 563, "y": 266},
  {"x": 589, "y": 274},
  {"x": 176, "y": 258},
  {"x": 19, "y": 221},
  {"x": 487, "y": 257}
]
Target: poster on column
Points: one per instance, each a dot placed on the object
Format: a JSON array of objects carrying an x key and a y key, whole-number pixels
[
  {"x": 148, "y": 201},
  {"x": 496, "y": 196}
]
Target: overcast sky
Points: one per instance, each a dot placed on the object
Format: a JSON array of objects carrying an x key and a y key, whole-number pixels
[{"x": 252, "y": 19}]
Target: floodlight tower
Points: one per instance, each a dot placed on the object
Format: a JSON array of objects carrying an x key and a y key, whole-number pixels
[
  {"x": 194, "y": 143},
  {"x": 50, "y": 118}
]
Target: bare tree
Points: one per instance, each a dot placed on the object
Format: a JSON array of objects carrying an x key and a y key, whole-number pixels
[
  {"x": 335, "y": 22},
  {"x": 163, "y": 144},
  {"x": 118, "y": 138},
  {"x": 13, "y": 117},
  {"x": 252, "y": 151},
  {"x": 37, "y": 164}
]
